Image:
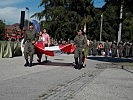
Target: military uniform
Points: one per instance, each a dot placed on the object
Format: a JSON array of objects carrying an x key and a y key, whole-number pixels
[
  {"x": 106, "y": 48},
  {"x": 131, "y": 50},
  {"x": 120, "y": 49},
  {"x": 80, "y": 43},
  {"x": 94, "y": 48},
  {"x": 114, "y": 49},
  {"x": 29, "y": 49},
  {"x": 127, "y": 49}
]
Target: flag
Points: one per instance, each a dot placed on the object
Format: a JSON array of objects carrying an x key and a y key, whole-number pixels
[
  {"x": 36, "y": 25},
  {"x": 54, "y": 50},
  {"x": 27, "y": 8}
]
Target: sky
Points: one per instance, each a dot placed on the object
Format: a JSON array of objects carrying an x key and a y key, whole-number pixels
[{"x": 10, "y": 10}]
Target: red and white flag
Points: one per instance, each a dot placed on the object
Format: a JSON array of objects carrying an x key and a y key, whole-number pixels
[{"x": 54, "y": 50}]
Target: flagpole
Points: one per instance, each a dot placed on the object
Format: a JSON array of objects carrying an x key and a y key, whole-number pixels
[{"x": 101, "y": 27}]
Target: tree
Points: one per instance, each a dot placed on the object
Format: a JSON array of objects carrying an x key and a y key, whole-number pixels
[
  {"x": 114, "y": 6},
  {"x": 64, "y": 17},
  {"x": 2, "y": 29}
]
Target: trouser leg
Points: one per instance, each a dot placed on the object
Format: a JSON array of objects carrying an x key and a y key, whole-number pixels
[
  {"x": 76, "y": 54},
  {"x": 80, "y": 58},
  {"x": 26, "y": 54},
  {"x": 31, "y": 53},
  {"x": 39, "y": 55},
  {"x": 46, "y": 57},
  {"x": 26, "y": 51}
]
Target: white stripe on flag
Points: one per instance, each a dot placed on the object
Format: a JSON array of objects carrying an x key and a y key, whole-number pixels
[
  {"x": 52, "y": 48},
  {"x": 55, "y": 49}
]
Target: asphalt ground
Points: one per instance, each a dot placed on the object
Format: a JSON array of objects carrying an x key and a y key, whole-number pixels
[{"x": 101, "y": 79}]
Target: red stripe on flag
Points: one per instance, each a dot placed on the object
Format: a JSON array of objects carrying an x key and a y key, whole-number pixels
[
  {"x": 67, "y": 48},
  {"x": 41, "y": 49}
]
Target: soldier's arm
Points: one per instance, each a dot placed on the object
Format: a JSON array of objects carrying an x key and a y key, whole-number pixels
[
  {"x": 25, "y": 38},
  {"x": 36, "y": 37}
]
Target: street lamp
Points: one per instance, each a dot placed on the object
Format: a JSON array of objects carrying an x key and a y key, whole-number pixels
[
  {"x": 101, "y": 28},
  {"x": 120, "y": 25},
  {"x": 28, "y": 15}
]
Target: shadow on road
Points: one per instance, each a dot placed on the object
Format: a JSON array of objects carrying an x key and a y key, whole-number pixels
[
  {"x": 128, "y": 71},
  {"x": 110, "y": 59},
  {"x": 50, "y": 63}
]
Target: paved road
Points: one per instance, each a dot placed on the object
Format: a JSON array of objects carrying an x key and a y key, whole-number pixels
[
  {"x": 58, "y": 80},
  {"x": 112, "y": 84}
]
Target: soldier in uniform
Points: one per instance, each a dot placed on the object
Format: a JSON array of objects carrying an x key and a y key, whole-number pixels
[
  {"x": 106, "y": 48},
  {"x": 114, "y": 49},
  {"x": 80, "y": 43},
  {"x": 131, "y": 50},
  {"x": 127, "y": 49},
  {"x": 28, "y": 43},
  {"x": 94, "y": 47},
  {"x": 120, "y": 49}
]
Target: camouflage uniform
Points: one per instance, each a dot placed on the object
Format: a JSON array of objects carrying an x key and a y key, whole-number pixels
[
  {"x": 29, "y": 49},
  {"x": 131, "y": 50},
  {"x": 94, "y": 48},
  {"x": 120, "y": 49},
  {"x": 106, "y": 48},
  {"x": 80, "y": 43},
  {"x": 114, "y": 49},
  {"x": 127, "y": 49}
]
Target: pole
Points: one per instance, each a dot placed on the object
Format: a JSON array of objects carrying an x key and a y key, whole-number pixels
[
  {"x": 120, "y": 25},
  {"x": 28, "y": 15},
  {"x": 101, "y": 28},
  {"x": 28, "y": 18}
]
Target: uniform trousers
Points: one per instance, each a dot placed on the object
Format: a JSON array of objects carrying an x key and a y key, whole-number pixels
[
  {"x": 29, "y": 50},
  {"x": 78, "y": 55}
]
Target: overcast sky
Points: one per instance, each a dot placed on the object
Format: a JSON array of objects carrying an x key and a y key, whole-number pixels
[{"x": 10, "y": 10}]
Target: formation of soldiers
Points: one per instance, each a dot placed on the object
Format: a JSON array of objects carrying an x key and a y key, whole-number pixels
[
  {"x": 112, "y": 49},
  {"x": 122, "y": 49}
]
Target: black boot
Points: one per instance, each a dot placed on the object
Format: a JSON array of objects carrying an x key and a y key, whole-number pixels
[
  {"x": 80, "y": 66},
  {"x": 76, "y": 66},
  {"x": 30, "y": 65},
  {"x": 27, "y": 63},
  {"x": 76, "y": 63}
]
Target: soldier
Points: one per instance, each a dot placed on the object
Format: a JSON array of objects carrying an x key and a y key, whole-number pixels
[
  {"x": 80, "y": 43},
  {"x": 127, "y": 49},
  {"x": 106, "y": 48},
  {"x": 94, "y": 47},
  {"x": 114, "y": 49},
  {"x": 131, "y": 50},
  {"x": 28, "y": 43},
  {"x": 120, "y": 49}
]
